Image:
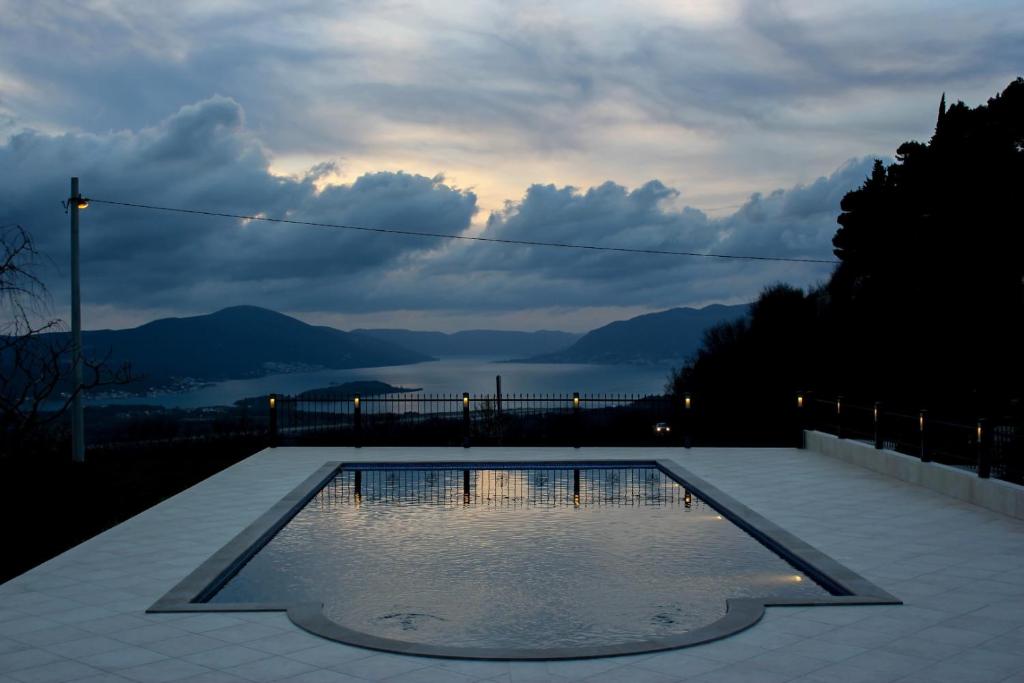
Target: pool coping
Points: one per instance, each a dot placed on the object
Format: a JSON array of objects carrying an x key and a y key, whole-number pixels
[{"x": 741, "y": 613}]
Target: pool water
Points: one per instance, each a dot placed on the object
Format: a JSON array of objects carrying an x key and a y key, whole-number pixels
[{"x": 525, "y": 556}]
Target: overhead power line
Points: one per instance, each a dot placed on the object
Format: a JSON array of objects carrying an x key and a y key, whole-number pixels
[{"x": 494, "y": 240}]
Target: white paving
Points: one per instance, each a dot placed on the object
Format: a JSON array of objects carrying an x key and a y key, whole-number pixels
[{"x": 958, "y": 568}]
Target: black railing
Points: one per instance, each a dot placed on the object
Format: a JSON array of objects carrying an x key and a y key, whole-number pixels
[
  {"x": 477, "y": 419},
  {"x": 989, "y": 447}
]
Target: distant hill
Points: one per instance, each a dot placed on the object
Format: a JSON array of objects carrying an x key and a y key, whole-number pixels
[
  {"x": 494, "y": 343},
  {"x": 239, "y": 342},
  {"x": 656, "y": 338},
  {"x": 340, "y": 391}
]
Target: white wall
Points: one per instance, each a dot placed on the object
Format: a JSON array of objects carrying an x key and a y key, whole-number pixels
[{"x": 993, "y": 494}]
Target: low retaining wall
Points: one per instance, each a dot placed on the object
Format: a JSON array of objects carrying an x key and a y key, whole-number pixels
[{"x": 993, "y": 494}]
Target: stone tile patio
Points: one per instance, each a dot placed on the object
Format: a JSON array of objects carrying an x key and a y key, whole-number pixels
[{"x": 958, "y": 568}]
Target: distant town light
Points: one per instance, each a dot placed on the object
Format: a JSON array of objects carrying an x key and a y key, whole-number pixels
[
  {"x": 273, "y": 400},
  {"x": 799, "y": 400},
  {"x": 465, "y": 400},
  {"x": 686, "y": 401},
  {"x": 355, "y": 400},
  {"x": 576, "y": 400}
]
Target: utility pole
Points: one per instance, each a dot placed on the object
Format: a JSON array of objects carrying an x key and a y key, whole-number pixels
[{"x": 77, "y": 419}]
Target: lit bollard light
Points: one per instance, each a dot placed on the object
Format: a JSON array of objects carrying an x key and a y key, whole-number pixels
[
  {"x": 357, "y": 421},
  {"x": 839, "y": 418},
  {"x": 272, "y": 427},
  {"x": 465, "y": 420},
  {"x": 879, "y": 440},
  {"x": 801, "y": 420},
  {"x": 922, "y": 424},
  {"x": 576, "y": 418},
  {"x": 687, "y": 420},
  {"x": 984, "y": 445}
]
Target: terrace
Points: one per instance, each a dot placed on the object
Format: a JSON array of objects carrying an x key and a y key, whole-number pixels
[{"x": 958, "y": 568}]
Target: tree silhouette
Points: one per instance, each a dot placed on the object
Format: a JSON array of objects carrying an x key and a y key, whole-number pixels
[
  {"x": 926, "y": 304},
  {"x": 35, "y": 354}
]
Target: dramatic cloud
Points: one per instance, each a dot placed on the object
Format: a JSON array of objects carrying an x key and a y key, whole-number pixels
[
  {"x": 719, "y": 98},
  {"x": 204, "y": 157},
  {"x": 433, "y": 115}
]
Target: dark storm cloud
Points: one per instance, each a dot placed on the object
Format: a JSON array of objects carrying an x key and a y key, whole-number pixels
[
  {"x": 794, "y": 223},
  {"x": 203, "y": 157}
]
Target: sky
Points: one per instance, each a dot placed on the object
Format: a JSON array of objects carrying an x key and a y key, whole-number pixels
[{"x": 715, "y": 126}]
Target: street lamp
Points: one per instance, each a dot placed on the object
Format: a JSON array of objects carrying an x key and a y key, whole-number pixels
[{"x": 76, "y": 202}]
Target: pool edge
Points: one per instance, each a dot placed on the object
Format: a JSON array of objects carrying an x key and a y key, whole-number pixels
[{"x": 741, "y": 613}]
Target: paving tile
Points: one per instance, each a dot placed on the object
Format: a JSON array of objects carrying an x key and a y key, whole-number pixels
[
  {"x": 125, "y": 657},
  {"x": 274, "y": 668},
  {"x": 681, "y": 664},
  {"x": 283, "y": 643},
  {"x": 633, "y": 674},
  {"x": 26, "y": 658},
  {"x": 149, "y": 633},
  {"x": 329, "y": 654},
  {"x": 51, "y": 635},
  {"x": 53, "y": 672},
  {"x": 83, "y": 647},
  {"x": 430, "y": 674},
  {"x": 188, "y": 644},
  {"x": 739, "y": 672},
  {"x": 381, "y": 666},
  {"x": 244, "y": 632},
  {"x": 324, "y": 676},
  {"x": 163, "y": 671},
  {"x": 225, "y": 656}
]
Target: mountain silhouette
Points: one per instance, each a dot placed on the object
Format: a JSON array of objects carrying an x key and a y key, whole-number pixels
[
  {"x": 238, "y": 342},
  {"x": 653, "y": 339}
]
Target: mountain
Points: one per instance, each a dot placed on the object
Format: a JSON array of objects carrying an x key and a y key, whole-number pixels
[
  {"x": 654, "y": 339},
  {"x": 492, "y": 343},
  {"x": 238, "y": 342}
]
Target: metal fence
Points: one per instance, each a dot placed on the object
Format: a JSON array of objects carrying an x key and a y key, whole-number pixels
[
  {"x": 474, "y": 419},
  {"x": 991, "y": 447}
]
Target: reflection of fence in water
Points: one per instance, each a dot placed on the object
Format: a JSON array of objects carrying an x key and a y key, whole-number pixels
[{"x": 639, "y": 486}]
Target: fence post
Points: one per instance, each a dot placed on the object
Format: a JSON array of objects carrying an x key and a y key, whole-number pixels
[
  {"x": 357, "y": 421},
  {"x": 801, "y": 420},
  {"x": 272, "y": 428},
  {"x": 984, "y": 449},
  {"x": 879, "y": 439},
  {"x": 576, "y": 418},
  {"x": 839, "y": 417},
  {"x": 922, "y": 426},
  {"x": 465, "y": 419},
  {"x": 687, "y": 419}
]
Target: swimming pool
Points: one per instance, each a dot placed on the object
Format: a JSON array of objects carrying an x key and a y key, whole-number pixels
[{"x": 517, "y": 560}]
